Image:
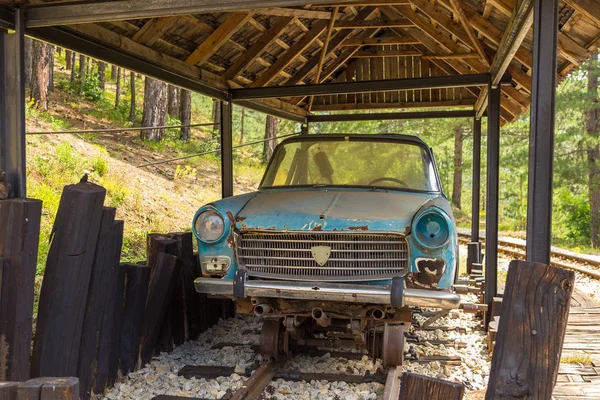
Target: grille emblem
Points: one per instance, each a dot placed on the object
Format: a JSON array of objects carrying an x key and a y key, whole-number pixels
[{"x": 321, "y": 254}]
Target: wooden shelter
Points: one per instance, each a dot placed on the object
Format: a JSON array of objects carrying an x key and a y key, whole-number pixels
[{"x": 292, "y": 58}]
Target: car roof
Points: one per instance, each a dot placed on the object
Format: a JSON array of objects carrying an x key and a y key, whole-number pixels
[{"x": 359, "y": 136}]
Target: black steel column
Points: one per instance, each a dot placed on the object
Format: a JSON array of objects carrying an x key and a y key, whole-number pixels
[
  {"x": 476, "y": 180},
  {"x": 304, "y": 129},
  {"x": 491, "y": 221},
  {"x": 12, "y": 107},
  {"x": 226, "y": 148},
  {"x": 541, "y": 137}
]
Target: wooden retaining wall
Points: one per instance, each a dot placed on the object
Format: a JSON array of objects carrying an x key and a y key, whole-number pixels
[{"x": 97, "y": 317}]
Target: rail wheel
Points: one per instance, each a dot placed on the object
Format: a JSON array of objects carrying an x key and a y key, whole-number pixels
[
  {"x": 392, "y": 345},
  {"x": 272, "y": 339}
]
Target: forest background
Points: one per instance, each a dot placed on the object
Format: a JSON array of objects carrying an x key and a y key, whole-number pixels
[{"x": 68, "y": 91}]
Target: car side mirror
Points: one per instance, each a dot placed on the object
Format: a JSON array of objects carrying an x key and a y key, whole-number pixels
[{"x": 325, "y": 168}]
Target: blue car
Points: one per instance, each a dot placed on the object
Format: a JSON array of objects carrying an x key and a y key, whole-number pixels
[{"x": 345, "y": 234}]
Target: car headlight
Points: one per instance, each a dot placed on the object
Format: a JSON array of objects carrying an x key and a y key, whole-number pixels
[
  {"x": 209, "y": 226},
  {"x": 432, "y": 228}
]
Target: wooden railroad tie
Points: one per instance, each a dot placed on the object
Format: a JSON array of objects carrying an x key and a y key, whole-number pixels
[
  {"x": 41, "y": 389},
  {"x": 420, "y": 387}
]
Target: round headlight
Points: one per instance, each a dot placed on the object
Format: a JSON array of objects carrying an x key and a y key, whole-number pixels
[
  {"x": 209, "y": 226},
  {"x": 432, "y": 229}
]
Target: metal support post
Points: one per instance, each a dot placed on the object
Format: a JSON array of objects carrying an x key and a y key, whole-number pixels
[
  {"x": 541, "y": 138},
  {"x": 491, "y": 224},
  {"x": 476, "y": 180},
  {"x": 226, "y": 148},
  {"x": 304, "y": 129},
  {"x": 12, "y": 106}
]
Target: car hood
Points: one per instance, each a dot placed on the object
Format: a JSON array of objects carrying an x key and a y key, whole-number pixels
[{"x": 320, "y": 209}]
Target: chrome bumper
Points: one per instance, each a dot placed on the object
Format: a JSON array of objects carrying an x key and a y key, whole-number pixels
[{"x": 350, "y": 293}]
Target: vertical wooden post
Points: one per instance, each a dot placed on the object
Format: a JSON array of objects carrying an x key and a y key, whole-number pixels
[
  {"x": 137, "y": 278},
  {"x": 159, "y": 295},
  {"x": 419, "y": 387},
  {"x": 19, "y": 237},
  {"x": 97, "y": 330},
  {"x": 531, "y": 331},
  {"x": 8, "y": 390},
  {"x": 114, "y": 328},
  {"x": 66, "y": 282}
]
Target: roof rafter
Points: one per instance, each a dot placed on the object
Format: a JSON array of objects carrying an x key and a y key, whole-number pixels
[
  {"x": 462, "y": 17},
  {"x": 310, "y": 65},
  {"x": 589, "y": 8},
  {"x": 218, "y": 38},
  {"x": 374, "y": 23},
  {"x": 293, "y": 12},
  {"x": 153, "y": 30},
  {"x": 514, "y": 35},
  {"x": 286, "y": 58},
  {"x": 324, "y": 51},
  {"x": 380, "y": 41},
  {"x": 258, "y": 47}
]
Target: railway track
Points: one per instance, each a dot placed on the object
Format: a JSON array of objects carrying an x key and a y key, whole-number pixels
[{"x": 560, "y": 258}]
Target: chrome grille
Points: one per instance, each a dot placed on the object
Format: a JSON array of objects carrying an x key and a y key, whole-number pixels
[{"x": 354, "y": 256}]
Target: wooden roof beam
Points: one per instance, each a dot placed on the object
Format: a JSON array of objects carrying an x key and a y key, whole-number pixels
[
  {"x": 396, "y": 105},
  {"x": 258, "y": 47},
  {"x": 153, "y": 30},
  {"x": 310, "y": 65},
  {"x": 589, "y": 8},
  {"x": 514, "y": 35},
  {"x": 293, "y": 12},
  {"x": 464, "y": 20},
  {"x": 386, "y": 53},
  {"x": 286, "y": 58},
  {"x": 324, "y": 52},
  {"x": 358, "y": 3},
  {"x": 214, "y": 42},
  {"x": 380, "y": 41},
  {"x": 375, "y": 23}
]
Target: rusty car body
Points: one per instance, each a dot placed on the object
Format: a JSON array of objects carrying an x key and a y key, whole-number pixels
[{"x": 345, "y": 233}]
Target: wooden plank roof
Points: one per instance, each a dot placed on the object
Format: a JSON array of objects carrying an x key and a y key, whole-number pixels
[{"x": 368, "y": 40}]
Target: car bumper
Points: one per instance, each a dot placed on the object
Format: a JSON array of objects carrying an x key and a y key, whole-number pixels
[{"x": 342, "y": 292}]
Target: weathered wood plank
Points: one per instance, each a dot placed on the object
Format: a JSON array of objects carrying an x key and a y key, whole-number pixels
[
  {"x": 214, "y": 42},
  {"x": 531, "y": 331},
  {"x": 419, "y": 387},
  {"x": 160, "y": 292},
  {"x": 104, "y": 295},
  {"x": 112, "y": 326},
  {"x": 66, "y": 281},
  {"x": 49, "y": 389},
  {"x": 19, "y": 237},
  {"x": 137, "y": 279},
  {"x": 8, "y": 390}
]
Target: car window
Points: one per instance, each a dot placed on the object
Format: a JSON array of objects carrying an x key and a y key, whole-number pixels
[{"x": 387, "y": 164}]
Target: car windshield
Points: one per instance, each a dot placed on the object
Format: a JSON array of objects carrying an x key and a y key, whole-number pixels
[{"x": 352, "y": 162}]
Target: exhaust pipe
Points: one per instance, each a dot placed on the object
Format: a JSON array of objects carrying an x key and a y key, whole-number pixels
[
  {"x": 321, "y": 318},
  {"x": 378, "y": 314},
  {"x": 261, "y": 309},
  {"x": 256, "y": 301}
]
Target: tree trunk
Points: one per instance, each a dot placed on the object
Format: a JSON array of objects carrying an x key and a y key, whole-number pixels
[
  {"x": 185, "y": 113},
  {"x": 113, "y": 72},
  {"x": 102, "y": 75},
  {"x": 73, "y": 58},
  {"x": 216, "y": 115},
  {"x": 155, "y": 109},
  {"x": 132, "y": 90},
  {"x": 271, "y": 129},
  {"x": 458, "y": 166},
  {"x": 118, "y": 89},
  {"x": 592, "y": 126},
  {"x": 51, "y": 50},
  {"x": 28, "y": 57},
  {"x": 82, "y": 62},
  {"x": 68, "y": 59},
  {"x": 173, "y": 97},
  {"x": 40, "y": 74}
]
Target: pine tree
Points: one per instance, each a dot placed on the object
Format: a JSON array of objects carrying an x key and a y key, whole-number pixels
[
  {"x": 102, "y": 75},
  {"x": 271, "y": 130},
  {"x": 155, "y": 109},
  {"x": 173, "y": 98},
  {"x": 40, "y": 74},
  {"x": 592, "y": 126},
  {"x": 132, "y": 90},
  {"x": 117, "y": 78},
  {"x": 185, "y": 113},
  {"x": 458, "y": 166}
]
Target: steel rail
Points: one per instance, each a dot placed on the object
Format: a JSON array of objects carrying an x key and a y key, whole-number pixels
[
  {"x": 255, "y": 385},
  {"x": 507, "y": 247}
]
